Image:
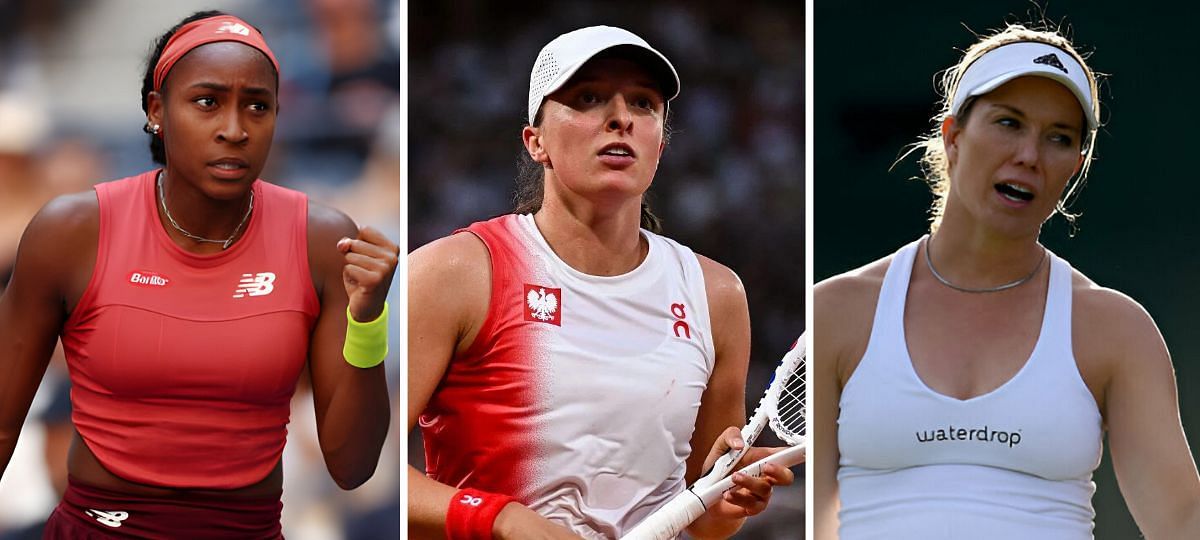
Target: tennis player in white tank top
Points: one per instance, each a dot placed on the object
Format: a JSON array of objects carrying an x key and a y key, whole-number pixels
[{"x": 963, "y": 385}]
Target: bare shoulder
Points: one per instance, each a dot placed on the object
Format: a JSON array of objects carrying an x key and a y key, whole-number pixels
[
  {"x": 721, "y": 283},
  {"x": 844, "y": 309},
  {"x": 1109, "y": 320},
  {"x": 450, "y": 284},
  {"x": 458, "y": 258},
  {"x": 67, "y": 227},
  {"x": 327, "y": 222}
]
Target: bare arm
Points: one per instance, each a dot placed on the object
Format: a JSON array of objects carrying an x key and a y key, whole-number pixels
[
  {"x": 1153, "y": 463},
  {"x": 458, "y": 263},
  {"x": 843, "y": 307},
  {"x": 723, "y": 410},
  {"x": 351, "y": 403},
  {"x": 53, "y": 257}
]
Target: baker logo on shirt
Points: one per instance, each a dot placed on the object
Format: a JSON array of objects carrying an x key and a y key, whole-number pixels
[
  {"x": 146, "y": 278},
  {"x": 260, "y": 284},
  {"x": 543, "y": 304}
]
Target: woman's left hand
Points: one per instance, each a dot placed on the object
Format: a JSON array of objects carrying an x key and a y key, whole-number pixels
[
  {"x": 370, "y": 264},
  {"x": 750, "y": 494}
]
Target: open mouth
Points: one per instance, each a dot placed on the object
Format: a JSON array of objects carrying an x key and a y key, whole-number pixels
[
  {"x": 619, "y": 150},
  {"x": 1014, "y": 192}
]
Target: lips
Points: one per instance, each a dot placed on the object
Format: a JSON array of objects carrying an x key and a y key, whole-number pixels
[
  {"x": 229, "y": 163},
  {"x": 618, "y": 150},
  {"x": 1015, "y": 192}
]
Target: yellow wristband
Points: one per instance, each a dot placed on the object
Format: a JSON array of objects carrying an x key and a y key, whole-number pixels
[{"x": 366, "y": 343}]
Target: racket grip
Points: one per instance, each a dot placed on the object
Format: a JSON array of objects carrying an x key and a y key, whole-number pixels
[{"x": 670, "y": 520}]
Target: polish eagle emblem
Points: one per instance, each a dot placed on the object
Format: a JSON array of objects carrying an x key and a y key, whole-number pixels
[{"x": 542, "y": 305}]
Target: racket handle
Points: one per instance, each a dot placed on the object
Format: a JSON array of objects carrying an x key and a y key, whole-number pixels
[{"x": 670, "y": 520}]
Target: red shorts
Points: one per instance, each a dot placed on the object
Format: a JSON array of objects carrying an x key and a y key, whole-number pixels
[{"x": 88, "y": 512}]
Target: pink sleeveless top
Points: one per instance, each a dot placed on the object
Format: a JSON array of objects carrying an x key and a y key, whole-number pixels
[{"x": 183, "y": 365}]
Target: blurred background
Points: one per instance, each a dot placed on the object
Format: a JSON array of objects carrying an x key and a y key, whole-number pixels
[
  {"x": 730, "y": 184},
  {"x": 70, "y": 77},
  {"x": 874, "y": 66}
]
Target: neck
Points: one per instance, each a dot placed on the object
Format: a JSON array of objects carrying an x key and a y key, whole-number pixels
[
  {"x": 976, "y": 258},
  {"x": 592, "y": 242},
  {"x": 199, "y": 214}
]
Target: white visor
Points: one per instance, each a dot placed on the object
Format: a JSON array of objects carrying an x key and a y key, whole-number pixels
[
  {"x": 563, "y": 56},
  {"x": 1027, "y": 58}
]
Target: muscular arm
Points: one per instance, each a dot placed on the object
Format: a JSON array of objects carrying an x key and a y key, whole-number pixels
[
  {"x": 1153, "y": 463},
  {"x": 439, "y": 326},
  {"x": 724, "y": 401},
  {"x": 53, "y": 258},
  {"x": 843, "y": 307},
  {"x": 351, "y": 403}
]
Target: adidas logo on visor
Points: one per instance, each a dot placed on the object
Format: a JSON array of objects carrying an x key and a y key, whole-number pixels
[{"x": 1050, "y": 60}]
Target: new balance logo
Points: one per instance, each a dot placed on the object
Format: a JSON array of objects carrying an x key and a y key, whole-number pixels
[
  {"x": 233, "y": 28},
  {"x": 143, "y": 278},
  {"x": 111, "y": 519},
  {"x": 260, "y": 284},
  {"x": 1050, "y": 60},
  {"x": 542, "y": 304}
]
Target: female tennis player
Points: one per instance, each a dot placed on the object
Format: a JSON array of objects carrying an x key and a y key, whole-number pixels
[
  {"x": 964, "y": 384},
  {"x": 565, "y": 360},
  {"x": 189, "y": 299}
]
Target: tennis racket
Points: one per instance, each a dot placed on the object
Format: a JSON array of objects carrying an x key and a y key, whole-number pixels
[{"x": 782, "y": 407}]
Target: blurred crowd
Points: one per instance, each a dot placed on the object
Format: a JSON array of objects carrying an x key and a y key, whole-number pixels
[
  {"x": 70, "y": 77},
  {"x": 730, "y": 184}
]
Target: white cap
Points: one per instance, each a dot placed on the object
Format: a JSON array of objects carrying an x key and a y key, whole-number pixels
[
  {"x": 563, "y": 56},
  {"x": 1026, "y": 58}
]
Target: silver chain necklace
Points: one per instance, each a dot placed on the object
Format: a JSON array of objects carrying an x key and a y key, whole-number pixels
[
  {"x": 224, "y": 243},
  {"x": 998, "y": 288}
]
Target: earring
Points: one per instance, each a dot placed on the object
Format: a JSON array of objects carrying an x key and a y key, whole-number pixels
[{"x": 153, "y": 129}]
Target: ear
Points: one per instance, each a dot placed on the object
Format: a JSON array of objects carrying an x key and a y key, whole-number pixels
[
  {"x": 1078, "y": 165},
  {"x": 154, "y": 108},
  {"x": 950, "y": 132},
  {"x": 532, "y": 137}
]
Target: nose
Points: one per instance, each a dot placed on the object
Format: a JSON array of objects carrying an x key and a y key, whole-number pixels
[
  {"x": 620, "y": 118},
  {"x": 232, "y": 130},
  {"x": 1028, "y": 151}
]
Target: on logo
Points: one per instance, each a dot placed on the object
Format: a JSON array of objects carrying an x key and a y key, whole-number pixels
[
  {"x": 260, "y": 284},
  {"x": 542, "y": 304},
  {"x": 470, "y": 500},
  {"x": 681, "y": 328}
]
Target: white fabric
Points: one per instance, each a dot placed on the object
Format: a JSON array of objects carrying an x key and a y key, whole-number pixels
[
  {"x": 563, "y": 56},
  {"x": 621, "y": 391},
  {"x": 1013, "y": 463},
  {"x": 1008, "y": 62}
]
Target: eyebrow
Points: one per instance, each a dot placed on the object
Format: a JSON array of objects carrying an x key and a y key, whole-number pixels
[
  {"x": 648, "y": 84},
  {"x": 1022, "y": 114},
  {"x": 252, "y": 90}
]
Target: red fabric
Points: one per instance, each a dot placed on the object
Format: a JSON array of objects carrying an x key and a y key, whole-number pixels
[
  {"x": 472, "y": 513},
  {"x": 178, "y": 381},
  {"x": 88, "y": 512},
  {"x": 477, "y": 427},
  {"x": 210, "y": 30}
]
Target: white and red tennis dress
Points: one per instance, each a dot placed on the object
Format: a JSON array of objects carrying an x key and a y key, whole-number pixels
[
  {"x": 580, "y": 393},
  {"x": 1016, "y": 462}
]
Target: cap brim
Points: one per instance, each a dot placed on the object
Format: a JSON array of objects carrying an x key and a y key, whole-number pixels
[
  {"x": 1049, "y": 73},
  {"x": 657, "y": 64}
]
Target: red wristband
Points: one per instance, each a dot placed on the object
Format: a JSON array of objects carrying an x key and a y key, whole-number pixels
[{"x": 472, "y": 513}]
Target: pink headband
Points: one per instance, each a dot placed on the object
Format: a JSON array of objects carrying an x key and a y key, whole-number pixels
[{"x": 210, "y": 30}]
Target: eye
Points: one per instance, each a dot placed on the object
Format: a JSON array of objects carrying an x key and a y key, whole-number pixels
[
  {"x": 589, "y": 98},
  {"x": 1062, "y": 139},
  {"x": 1009, "y": 122},
  {"x": 260, "y": 107},
  {"x": 205, "y": 102},
  {"x": 645, "y": 103}
]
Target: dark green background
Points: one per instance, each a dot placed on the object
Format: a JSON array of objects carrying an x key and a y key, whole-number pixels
[{"x": 874, "y": 66}]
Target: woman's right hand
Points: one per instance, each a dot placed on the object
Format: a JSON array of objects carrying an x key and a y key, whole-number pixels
[{"x": 518, "y": 522}]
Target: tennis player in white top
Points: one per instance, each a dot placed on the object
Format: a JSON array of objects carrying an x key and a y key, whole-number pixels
[{"x": 963, "y": 385}]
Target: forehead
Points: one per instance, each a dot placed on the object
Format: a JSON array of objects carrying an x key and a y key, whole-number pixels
[
  {"x": 614, "y": 69},
  {"x": 1045, "y": 94},
  {"x": 224, "y": 61}
]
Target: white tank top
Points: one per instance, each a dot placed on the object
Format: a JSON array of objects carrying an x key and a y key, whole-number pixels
[
  {"x": 1016, "y": 462},
  {"x": 580, "y": 394}
]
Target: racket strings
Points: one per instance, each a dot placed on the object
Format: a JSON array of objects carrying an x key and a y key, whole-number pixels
[{"x": 789, "y": 420}]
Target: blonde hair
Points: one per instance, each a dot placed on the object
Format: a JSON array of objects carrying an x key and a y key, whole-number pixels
[{"x": 935, "y": 165}]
